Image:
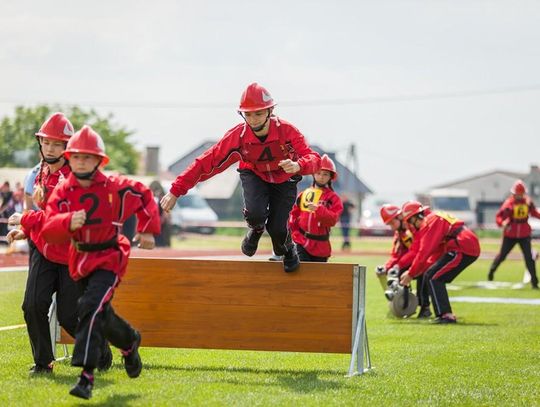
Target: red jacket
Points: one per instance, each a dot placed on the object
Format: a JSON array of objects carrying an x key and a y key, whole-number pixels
[
  {"x": 515, "y": 214},
  {"x": 403, "y": 240},
  {"x": 302, "y": 221},
  {"x": 32, "y": 221},
  {"x": 441, "y": 233},
  {"x": 108, "y": 202},
  {"x": 240, "y": 144}
]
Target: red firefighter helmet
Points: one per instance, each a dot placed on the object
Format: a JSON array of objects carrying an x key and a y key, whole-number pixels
[
  {"x": 518, "y": 188},
  {"x": 389, "y": 212},
  {"x": 56, "y": 127},
  {"x": 87, "y": 141},
  {"x": 411, "y": 208},
  {"x": 254, "y": 98},
  {"x": 328, "y": 165}
]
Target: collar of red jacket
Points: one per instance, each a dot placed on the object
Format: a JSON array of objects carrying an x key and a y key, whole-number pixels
[
  {"x": 273, "y": 132},
  {"x": 99, "y": 177}
]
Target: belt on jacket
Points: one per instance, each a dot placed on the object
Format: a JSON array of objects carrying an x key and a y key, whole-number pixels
[
  {"x": 321, "y": 238},
  {"x": 519, "y": 221},
  {"x": 454, "y": 234},
  {"x": 95, "y": 247}
]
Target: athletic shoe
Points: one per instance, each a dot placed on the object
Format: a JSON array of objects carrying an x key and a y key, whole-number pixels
[
  {"x": 132, "y": 359},
  {"x": 83, "y": 388},
  {"x": 41, "y": 370},
  {"x": 424, "y": 313},
  {"x": 105, "y": 361},
  {"x": 491, "y": 274},
  {"x": 251, "y": 242},
  {"x": 445, "y": 319},
  {"x": 291, "y": 261}
]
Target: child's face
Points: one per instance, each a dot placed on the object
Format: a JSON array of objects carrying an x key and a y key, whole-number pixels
[
  {"x": 322, "y": 177},
  {"x": 257, "y": 118},
  {"x": 395, "y": 223},
  {"x": 51, "y": 148},
  {"x": 81, "y": 162}
]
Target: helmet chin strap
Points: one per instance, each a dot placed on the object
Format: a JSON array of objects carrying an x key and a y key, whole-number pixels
[
  {"x": 51, "y": 160},
  {"x": 260, "y": 127},
  {"x": 85, "y": 175}
]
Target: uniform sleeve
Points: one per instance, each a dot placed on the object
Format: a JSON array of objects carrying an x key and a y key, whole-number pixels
[
  {"x": 213, "y": 161},
  {"x": 309, "y": 160},
  {"x": 533, "y": 211},
  {"x": 429, "y": 242},
  {"x": 295, "y": 215},
  {"x": 57, "y": 219},
  {"x": 394, "y": 253},
  {"x": 503, "y": 213},
  {"x": 138, "y": 199},
  {"x": 329, "y": 216},
  {"x": 29, "y": 219}
]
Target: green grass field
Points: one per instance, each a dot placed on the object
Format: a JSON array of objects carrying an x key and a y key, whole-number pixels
[{"x": 491, "y": 358}]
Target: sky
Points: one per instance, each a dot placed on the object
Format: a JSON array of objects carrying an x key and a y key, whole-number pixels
[{"x": 428, "y": 91}]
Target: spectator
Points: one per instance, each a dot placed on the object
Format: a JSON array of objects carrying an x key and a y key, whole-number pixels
[{"x": 345, "y": 220}]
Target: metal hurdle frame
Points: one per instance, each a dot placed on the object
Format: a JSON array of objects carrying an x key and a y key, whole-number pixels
[
  {"x": 360, "y": 345},
  {"x": 54, "y": 329}
]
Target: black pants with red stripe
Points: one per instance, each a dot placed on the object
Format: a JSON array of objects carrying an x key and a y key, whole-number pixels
[
  {"x": 269, "y": 205},
  {"x": 444, "y": 271},
  {"x": 97, "y": 320},
  {"x": 508, "y": 244},
  {"x": 44, "y": 279}
]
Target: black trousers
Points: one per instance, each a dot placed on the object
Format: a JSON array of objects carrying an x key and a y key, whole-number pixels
[
  {"x": 508, "y": 244},
  {"x": 444, "y": 271},
  {"x": 305, "y": 256},
  {"x": 97, "y": 320},
  {"x": 45, "y": 278},
  {"x": 268, "y": 205}
]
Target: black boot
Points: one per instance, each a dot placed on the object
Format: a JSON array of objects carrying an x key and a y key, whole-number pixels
[
  {"x": 291, "y": 261},
  {"x": 83, "y": 388},
  {"x": 491, "y": 274},
  {"x": 132, "y": 359},
  {"x": 251, "y": 242},
  {"x": 37, "y": 370}
]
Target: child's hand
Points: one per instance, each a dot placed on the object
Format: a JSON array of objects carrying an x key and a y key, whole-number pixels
[
  {"x": 15, "y": 219},
  {"x": 77, "y": 220},
  {"x": 289, "y": 166},
  {"x": 168, "y": 202},
  {"x": 15, "y": 234},
  {"x": 146, "y": 240},
  {"x": 312, "y": 207}
]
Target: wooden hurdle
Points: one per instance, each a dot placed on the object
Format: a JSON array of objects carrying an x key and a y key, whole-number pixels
[{"x": 247, "y": 305}]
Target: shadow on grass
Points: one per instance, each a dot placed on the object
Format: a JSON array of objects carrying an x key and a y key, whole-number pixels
[
  {"x": 114, "y": 400},
  {"x": 300, "y": 381},
  {"x": 69, "y": 380},
  {"x": 424, "y": 322}
]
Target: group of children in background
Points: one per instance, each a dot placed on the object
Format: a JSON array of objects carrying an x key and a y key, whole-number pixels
[
  {"x": 435, "y": 247},
  {"x": 77, "y": 249}
]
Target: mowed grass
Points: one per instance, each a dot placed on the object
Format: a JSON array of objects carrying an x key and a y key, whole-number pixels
[{"x": 492, "y": 357}]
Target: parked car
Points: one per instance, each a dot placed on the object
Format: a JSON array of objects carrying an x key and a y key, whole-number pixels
[
  {"x": 192, "y": 214},
  {"x": 370, "y": 223}
]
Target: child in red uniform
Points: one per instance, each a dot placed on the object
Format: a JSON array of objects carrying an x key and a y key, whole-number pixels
[
  {"x": 48, "y": 272},
  {"x": 316, "y": 210},
  {"x": 401, "y": 255},
  {"x": 513, "y": 216},
  {"x": 89, "y": 209},
  {"x": 443, "y": 248},
  {"x": 273, "y": 156}
]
